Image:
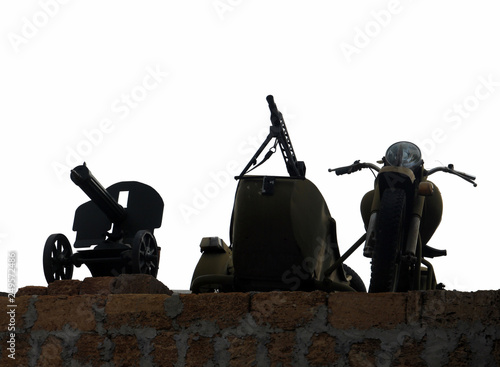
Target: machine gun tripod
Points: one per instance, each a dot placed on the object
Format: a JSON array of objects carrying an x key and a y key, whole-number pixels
[{"x": 130, "y": 246}]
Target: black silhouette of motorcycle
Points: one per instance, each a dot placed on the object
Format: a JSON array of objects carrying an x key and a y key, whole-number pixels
[{"x": 400, "y": 216}]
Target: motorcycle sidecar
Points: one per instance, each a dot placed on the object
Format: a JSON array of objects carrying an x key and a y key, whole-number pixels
[{"x": 282, "y": 238}]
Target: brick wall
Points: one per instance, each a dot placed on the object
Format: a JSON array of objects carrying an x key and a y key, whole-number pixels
[{"x": 137, "y": 321}]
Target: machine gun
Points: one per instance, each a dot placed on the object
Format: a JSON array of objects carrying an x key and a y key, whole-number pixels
[
  {"x": 278, "y": 227},
  {"x": 130, "y": 246},
  {"x": 278, "y": 131}
]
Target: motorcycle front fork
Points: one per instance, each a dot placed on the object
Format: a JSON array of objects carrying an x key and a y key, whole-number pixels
[
  {"x": 410, "y": 249},
  {"x": 370, "y": 236}
]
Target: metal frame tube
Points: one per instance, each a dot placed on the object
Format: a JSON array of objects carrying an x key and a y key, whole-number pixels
[{"x": 370, "y": 236}]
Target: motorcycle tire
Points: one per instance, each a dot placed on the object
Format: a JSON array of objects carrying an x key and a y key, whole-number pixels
[
  {"x": 356, "y": 282},
  {"x": 386, "y": 266}
]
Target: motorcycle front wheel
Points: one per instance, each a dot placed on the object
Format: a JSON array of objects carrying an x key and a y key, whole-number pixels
[{"x": 387, "y": 274}]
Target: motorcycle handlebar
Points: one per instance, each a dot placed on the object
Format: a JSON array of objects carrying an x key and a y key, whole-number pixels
[
  {"x": 466, "y": 175},
  {"x": 356, "y": 166},
  {"x": 343, "y": 170},
  {"x": 347, "y": 169},
  {"x": 451, "y": 169}
]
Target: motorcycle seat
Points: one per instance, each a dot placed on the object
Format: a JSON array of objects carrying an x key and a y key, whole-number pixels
[{"x": 428, "y": 251}]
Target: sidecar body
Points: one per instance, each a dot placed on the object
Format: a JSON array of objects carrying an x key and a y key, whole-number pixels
[
  {"x": 282, "y": 238},
  {"x": 282, "y": 234}
]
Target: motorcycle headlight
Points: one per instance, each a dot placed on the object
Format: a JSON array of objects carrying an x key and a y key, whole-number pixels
[{"x": 403, "y": 154}]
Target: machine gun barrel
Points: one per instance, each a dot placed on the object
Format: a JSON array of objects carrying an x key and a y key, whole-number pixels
[
  {"x": 83, "y": 178},
  {"x": 278, "y": 131},
  {"x": 294, "y": 167}
]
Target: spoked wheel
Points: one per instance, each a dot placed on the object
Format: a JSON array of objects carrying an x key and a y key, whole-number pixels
[
  {"x": 57, "y": 264},
  {"x": 145, "y": 255},
  {"x": 389, "y": 273}
]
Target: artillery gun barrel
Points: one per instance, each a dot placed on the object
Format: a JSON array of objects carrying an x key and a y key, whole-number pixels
[{"x": 83, "y": 178}]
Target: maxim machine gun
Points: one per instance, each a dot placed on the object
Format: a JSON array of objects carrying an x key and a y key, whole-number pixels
[
  {"x": 279, "y": 132},
  {"x": 282, "y": 234},
  {"x": 121, "y": 234}
]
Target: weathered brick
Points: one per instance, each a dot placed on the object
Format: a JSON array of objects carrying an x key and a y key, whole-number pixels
[
  {"x": 434, "y": 308},
  {"x": 68, "y": 287},
  {"x": 22, "y": 348},
  {"x": 56, "y": 311},
  {"x": 496, "y": 352},
  {"x": 139, "y": 284},
  {"x": 87, "y": 351},
  {"x": 126, "y": 352},
  {"x": 414, "y": 308},
  {"x": 363, "y": 354},
  {"x": 136, "y": 310},
  {"x": 226, "y": 309},
  {"x": 461, "y": 356},
  {"x": 486, "y": 307},
  {"x": 409, "y": 354},
  {"x": 165, "y": 349},
  {"x": 438, "y": 308},
  {"x": 97, "y": 285},
  {"x": 200, "y": 351},
  {"x": 364, "y": 311},
  {"x": 322, "y": 350},
  {"x": 21, "y": 304},
  {"x": 188, "y": 322},
  {"x": 31, "y": 290},
  {"x": 449, "y": 308},
  {"x": 480, "y": 306},
  {"x": 280, "y": 348},
  {"x": 286, "y": 310},
  {"x": 242, "y": 350},
  {"x": 50, "y": 354}
]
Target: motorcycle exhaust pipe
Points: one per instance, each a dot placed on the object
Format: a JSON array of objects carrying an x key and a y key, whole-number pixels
[{"x": 370, "y": 236}]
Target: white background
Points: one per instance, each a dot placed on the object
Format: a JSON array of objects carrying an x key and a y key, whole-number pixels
[{"x": 351, "y": 78}]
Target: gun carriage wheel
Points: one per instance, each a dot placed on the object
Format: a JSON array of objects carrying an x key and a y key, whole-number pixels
[
  {"x": 57, "y": 258},
  {"x": 145, "y": 254}
]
